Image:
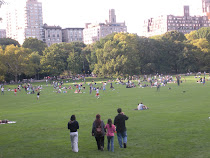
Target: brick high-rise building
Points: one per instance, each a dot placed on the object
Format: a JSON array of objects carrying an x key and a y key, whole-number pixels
[
  {"x": 94, "y": 32},
  {"x": 206, "y": 7},
  {"x": 72, "y": 35},
  {"x": 165, "y": 23},
  {"x": 52, "y": 34}
]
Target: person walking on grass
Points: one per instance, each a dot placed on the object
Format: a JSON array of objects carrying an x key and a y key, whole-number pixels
[
  {"x": 73, "y": 126},
  {"x": 204, "y": 80},
  {"x": 38, "y": 94},
  {"x": 98, "y": 130},
  {"x": 2, "y": 90},
  {"x": 91, "y": 88},
  {"x": 158, "y": 86},
  {"x": 110, "y": 134},
  {"x": 15, "y": 91},
  {"x": 119, "y": 121},
  {"x": 97, "y": 93}
]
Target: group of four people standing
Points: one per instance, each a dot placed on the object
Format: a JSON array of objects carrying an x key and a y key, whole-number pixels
[{"x": 99, "y": 130}]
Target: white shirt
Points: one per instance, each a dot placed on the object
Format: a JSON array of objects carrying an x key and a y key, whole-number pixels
[{"x": 140, "y": 107}]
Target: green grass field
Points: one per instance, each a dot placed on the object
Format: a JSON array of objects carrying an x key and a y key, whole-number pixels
[{"x": 176, "y": 125}]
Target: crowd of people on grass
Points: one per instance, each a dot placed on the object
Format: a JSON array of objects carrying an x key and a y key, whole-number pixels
[
  {"x": 129, "y": 82},
  {"x": 29, "y": 89},
  {"x": 201, "y": 80},
  {"x": 99, "y": 130}
]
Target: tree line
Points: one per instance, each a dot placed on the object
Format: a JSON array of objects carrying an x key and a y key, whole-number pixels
[{"x": 118, "y": 54}]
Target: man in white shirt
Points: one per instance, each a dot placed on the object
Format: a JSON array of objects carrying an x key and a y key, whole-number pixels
[
  {"x": 141, "y": 106},
  {"x": 2, "y": 90}
]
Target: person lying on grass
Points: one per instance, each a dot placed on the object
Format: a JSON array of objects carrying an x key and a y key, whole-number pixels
[{"x": 4, "y": 121}]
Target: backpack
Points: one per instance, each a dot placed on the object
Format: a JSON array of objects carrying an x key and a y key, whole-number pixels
[{"x": 99, "y": 130}]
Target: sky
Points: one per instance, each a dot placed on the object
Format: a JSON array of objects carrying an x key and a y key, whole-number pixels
[{"x": 75, "y": 13}]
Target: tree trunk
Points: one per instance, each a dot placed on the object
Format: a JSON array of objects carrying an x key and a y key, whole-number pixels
[{"x": 16, "y": 76}]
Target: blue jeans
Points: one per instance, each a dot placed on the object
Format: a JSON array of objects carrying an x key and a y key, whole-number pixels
[
  {"x": 120, "y": 136},
  {"x": 110, "y": 140}
]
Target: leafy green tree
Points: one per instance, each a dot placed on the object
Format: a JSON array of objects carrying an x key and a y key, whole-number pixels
[
  {"x": 74, "y": 56},
  {"x": 75, "y": 65},
  {"x": 14, "y": 58},
  {"x": 187, "y": 59},
  {"x": 34, "y": 65},
  {"x": 86, "y": 58},
  {"x": 8, "y": 41},
  {"x": 201, "y": 40},
  {"x": 202, "y": 44},
  {"x": 53, "y": 60},
  {"x": 3, "y": 68},
  {"x": 204, "y": 32},
  {"x": 174, "y": 36},
  {"x": 150, "y": 55},
  {"x": 117, "y": 56},
  {"x": 35, "y": 45},
  {"x": 191, "y": 36}
]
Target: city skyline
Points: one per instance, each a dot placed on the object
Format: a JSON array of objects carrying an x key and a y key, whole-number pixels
[{"x": 81, "y": 11}]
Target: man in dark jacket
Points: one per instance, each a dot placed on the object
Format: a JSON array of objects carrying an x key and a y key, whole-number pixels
[{"x": 119, "y": 121}]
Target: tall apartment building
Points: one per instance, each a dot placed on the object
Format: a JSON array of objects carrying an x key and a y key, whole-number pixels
[
  {"x": 25, "y": 22},
  {"x": 72, "y": 35},
  {"x": 206, "y": 7},
  {"x": 52, "y": 34},
  {"x": 94, "y": 32},
  {"x": 2, "y": 33},
  {"x": 165, "y": 23}
]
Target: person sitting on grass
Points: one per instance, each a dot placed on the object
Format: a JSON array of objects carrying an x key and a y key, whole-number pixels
[
  {"x": 141, "y": 106},
  {"x": 59, "y": 91}
]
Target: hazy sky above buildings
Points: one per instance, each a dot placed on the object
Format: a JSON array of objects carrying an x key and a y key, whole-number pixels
[{"x": 69, "y": 13}]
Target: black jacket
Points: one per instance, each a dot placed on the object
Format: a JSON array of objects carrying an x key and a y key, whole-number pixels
[
  {"x": 73, "y": 126},
  {"x": 119, "y": 121}
]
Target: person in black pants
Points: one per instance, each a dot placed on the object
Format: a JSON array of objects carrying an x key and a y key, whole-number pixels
[{"x": 98, "y": 130}]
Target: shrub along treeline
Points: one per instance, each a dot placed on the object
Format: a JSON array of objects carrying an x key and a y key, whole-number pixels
[{"x": 115, "y": 55}]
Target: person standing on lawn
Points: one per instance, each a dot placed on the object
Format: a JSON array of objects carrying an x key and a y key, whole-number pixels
[{"x": 119, "y": 121}]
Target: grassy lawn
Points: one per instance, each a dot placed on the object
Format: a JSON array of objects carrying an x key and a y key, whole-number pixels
[{"x": 176, "y": 125}]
